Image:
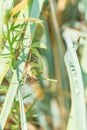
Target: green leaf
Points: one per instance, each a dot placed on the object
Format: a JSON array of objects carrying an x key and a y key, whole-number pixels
[
  {"x": 35, "y": 52},
  {"x": 78, "y": 120},
  {"x": 39, "y": 45}
]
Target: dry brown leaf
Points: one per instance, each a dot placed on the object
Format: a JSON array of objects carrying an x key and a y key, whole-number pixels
[{"x": 19, "y": 6}]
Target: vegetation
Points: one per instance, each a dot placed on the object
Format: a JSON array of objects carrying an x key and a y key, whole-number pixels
[{"x": 43, "y": 72}]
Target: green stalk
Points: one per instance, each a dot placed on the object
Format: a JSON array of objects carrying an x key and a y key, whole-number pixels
[{"x": 59, "y": 43}]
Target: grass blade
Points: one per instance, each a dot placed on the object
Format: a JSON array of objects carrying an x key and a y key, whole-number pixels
[
  {"x": 1, "y": 22},
  {"x": 76, "y": 86},
  {"x": 22, "y": 113}
]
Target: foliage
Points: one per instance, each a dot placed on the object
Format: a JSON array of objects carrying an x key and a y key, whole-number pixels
[{"x": 40, "y": 41}]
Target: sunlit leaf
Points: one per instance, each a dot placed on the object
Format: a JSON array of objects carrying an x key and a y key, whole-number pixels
[{"x": 39, "y": 45}]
